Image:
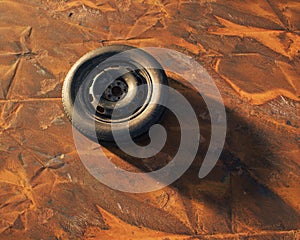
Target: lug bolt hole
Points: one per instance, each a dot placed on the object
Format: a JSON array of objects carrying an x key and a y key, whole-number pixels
[{"x": 100, "y": 109}]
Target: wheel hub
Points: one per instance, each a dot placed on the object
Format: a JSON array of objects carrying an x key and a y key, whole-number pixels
[
  {"x": 116, "y": 91},
  {"x": 124, "y": 87}
]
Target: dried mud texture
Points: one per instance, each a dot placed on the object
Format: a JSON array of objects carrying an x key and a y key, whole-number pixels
[{"x": 252, "y": 52}]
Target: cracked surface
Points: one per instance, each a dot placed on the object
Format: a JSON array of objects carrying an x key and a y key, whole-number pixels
[{"x": 252, "y": 52}]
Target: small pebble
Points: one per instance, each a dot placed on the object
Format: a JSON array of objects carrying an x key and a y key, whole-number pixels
[{"x": 288, "y": 122}]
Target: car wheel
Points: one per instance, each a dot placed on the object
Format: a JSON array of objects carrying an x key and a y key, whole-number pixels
[{"x": 114, "y": 87}]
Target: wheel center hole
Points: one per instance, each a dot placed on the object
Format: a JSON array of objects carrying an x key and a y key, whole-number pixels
[{"x": 116, "y": 91}]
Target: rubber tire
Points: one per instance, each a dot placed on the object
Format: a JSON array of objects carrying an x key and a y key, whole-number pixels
[{"x": 76, "y": 76}]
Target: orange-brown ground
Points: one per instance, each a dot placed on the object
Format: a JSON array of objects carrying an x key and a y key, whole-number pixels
[{"x": 251, "y": 49}]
